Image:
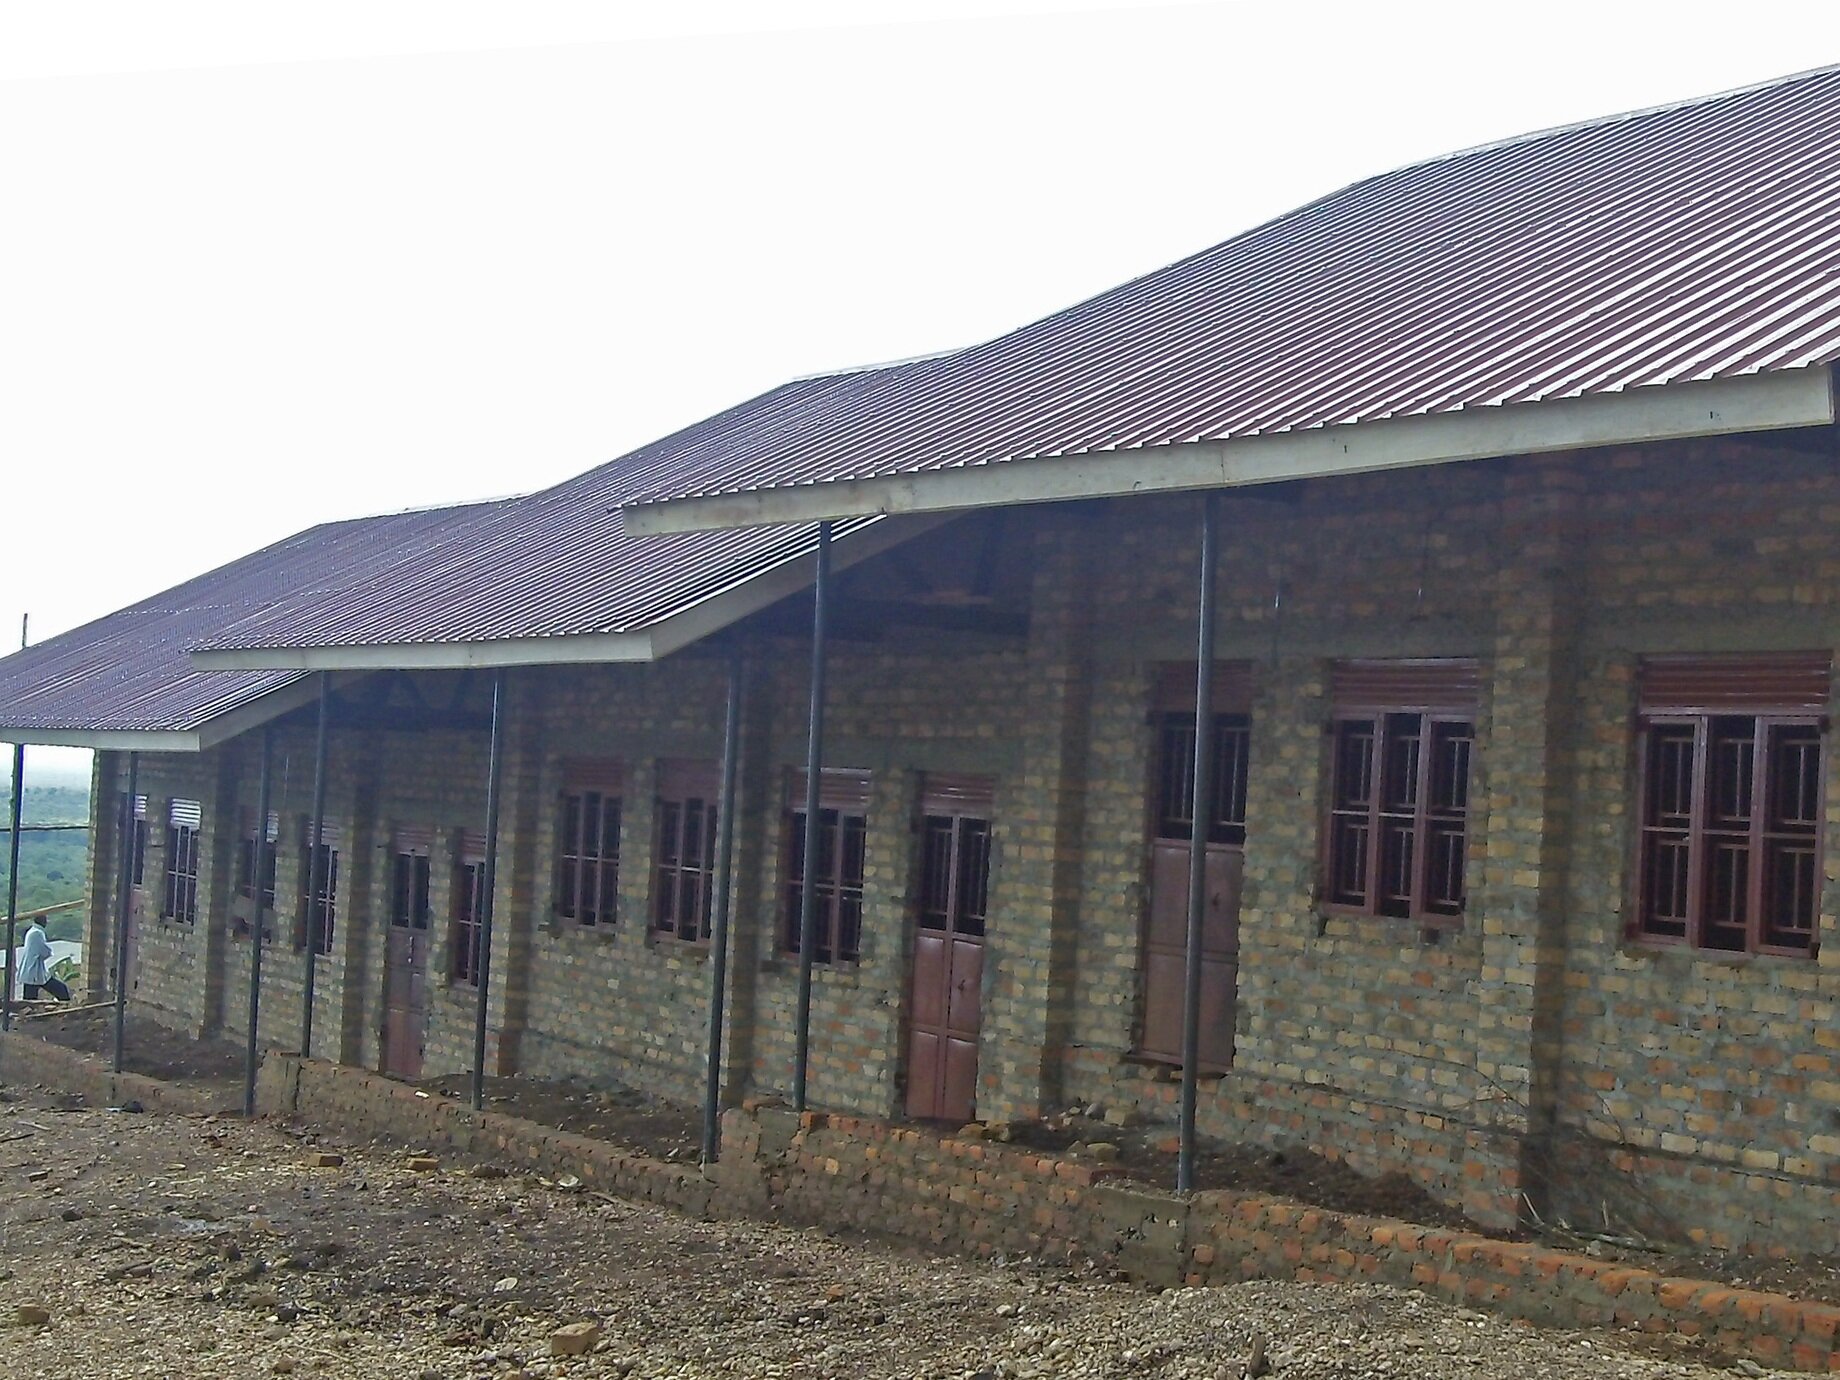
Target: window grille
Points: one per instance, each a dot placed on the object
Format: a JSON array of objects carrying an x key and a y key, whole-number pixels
[
  {"x": 185, "y": 821},
  {"x": 684, "y": 853},
  {"x": 588, "y": 846},
  {"x": 1397, "y": 833}
]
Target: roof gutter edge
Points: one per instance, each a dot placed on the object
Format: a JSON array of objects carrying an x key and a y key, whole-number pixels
[
  {"x": 1717, "y": 407},
  {"x": 106, "y": 739}
]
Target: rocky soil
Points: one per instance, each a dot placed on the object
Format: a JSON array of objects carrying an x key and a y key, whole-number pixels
[{"x": 140, "y": 1245}]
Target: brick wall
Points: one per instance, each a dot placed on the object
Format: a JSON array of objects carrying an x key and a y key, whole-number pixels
[{"x": 1533, "y": 1051}]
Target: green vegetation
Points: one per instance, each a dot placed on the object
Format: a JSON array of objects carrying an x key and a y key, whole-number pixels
[{"x": 53, "y": 866}]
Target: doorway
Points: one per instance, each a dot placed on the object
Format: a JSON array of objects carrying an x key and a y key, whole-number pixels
[
  {"x": 1165, "y": 930},
  {"x": 946, "y": 1000},
  {"x": 405, "y": 971}
]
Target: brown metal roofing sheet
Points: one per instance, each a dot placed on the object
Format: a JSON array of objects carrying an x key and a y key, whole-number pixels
[
  {"x": 129, "y": 672},
  {"x": 555, "y": 564},
  {"x": 1698, "y": 241}
]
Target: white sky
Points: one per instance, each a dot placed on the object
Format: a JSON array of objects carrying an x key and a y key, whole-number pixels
[{"x": 264, "y": 265}]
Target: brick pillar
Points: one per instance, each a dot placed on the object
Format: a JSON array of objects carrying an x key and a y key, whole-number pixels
[
  {"x": 518, "y": 887},
  {"x": 1524, "y": 789},
  {"x": 1040, "y": 819},
  {"x": 107, "y": 780}
]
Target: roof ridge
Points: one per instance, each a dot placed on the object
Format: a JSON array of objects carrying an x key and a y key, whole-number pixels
[
  {"x": 874, "y": 368},
  {"x": 1601, "y": 121}
]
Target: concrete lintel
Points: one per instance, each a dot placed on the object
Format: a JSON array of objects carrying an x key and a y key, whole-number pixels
[
  {"x": 105, "y": 740},
  {"x": 1718, "y": 407}
]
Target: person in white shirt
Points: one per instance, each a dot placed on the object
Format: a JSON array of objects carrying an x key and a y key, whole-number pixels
[{"x": 35, "y": 966}]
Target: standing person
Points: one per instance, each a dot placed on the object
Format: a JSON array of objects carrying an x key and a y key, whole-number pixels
[{"x": 35, "y": 966}]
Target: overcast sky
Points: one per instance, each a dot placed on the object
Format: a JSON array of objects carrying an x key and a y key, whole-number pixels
[{"x": 270, "y": 265}]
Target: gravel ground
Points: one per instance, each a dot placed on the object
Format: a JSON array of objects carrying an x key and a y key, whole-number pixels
[{"x": 175, "y": 1246}]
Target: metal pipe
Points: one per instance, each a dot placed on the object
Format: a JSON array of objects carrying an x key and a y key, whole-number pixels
[
  {"x": 258, "y": 865},
  {"x": 724, "y": 891},
  {"x": 1202, "y": 810},
  {"x": 12, "y": 883},
  {"x": 124, "y": 899},
  {"x": 814, "y": 771},
  {"x": 316, "y": 878},
  {"x": 482, "y": 959}
]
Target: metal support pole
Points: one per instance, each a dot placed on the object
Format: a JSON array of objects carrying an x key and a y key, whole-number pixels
[
  {"x": 724, "y": 890},
  {"x": 258, "y": 866},
  {"x": 124, "y": 898},
  {"x": 12, "y": 882},
  {"x": 814, "y": 771},
  {"x": 1202, "y": 811},
  {"x": 482, "y": 961},
  {"x": 316, "y": 876}
]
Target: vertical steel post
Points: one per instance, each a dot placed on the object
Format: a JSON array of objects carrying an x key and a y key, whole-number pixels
[
  {"x": 1202, "y": 809},
  {"x": 724, "y": 891},
  {"x": 12, "y": 882},
  {"x": 482, "y": 960},
  {"x": 316, "y": 878},
  {"x": 258, "y": 865},
  {"x": 124, "y": 898},
  {"x": 814, "y": 771}
]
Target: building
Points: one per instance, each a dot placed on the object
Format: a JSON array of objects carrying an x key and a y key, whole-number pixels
[{"x": 1519, "y": 864}]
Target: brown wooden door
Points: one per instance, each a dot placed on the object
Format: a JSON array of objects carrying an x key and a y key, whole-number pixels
[
  {"x": 405, "y": 973},
  {"x": 1163, "y": 961},
  {"x": 945, "y": 1007},
  {"x": 1166, "y": 949}
]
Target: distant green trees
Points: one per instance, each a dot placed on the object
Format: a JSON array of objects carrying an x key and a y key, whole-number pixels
[{"x": 53, "y": 867}]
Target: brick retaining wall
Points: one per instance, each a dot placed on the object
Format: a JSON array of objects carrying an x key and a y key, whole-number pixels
[
  {"x": 983, "y": 1198},
  {"x": 26, "y": 1060}
]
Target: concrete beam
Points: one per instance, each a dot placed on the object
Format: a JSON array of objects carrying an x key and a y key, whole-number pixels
[{"x": 1719, "y": 407}]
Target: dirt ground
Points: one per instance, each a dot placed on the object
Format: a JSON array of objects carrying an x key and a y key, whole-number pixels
[
  {"x": 147, "y": 1048},
  {"x": 198, "y": 1246}
]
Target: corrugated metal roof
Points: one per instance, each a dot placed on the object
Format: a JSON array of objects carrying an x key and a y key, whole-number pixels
[
  {"x": 557, "y": 563},
  {"x": 129, "y": 672},
  {"x": 1698, "y": 241},
  {"x": 549, "y": 565}
]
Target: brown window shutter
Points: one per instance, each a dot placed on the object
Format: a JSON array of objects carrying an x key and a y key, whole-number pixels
[
  {"x": 950, "y": 793},
  {"x": 472, "y": 846},
  {"x": 679, "y": 780},
  {"x": 413, "y": 839},
  {"x": 330, "y": 834},
  {"x": 1447, "y": 684},
  {"x": 1173, "y": 691},
  {"x": 839, "y": 788},
  {"x": 1751, "y": 683},
  {"x": 603, "y": 774}
]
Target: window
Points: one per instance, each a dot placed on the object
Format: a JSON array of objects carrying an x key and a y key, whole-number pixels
[
  {"x": 588, "y": 844},
  {"x": 843, "y": 798},
  {"x": 138, "y": 840},
  {"x": 1397, "y": 837},
  {"x": 246, "y": 860},
  {"x": 409, "y": 879},
  {"x": 469, "y": 907},
  {"x": 185, "y": 820},
  {"x": 1732, "y": 772},
  {"x": 1176, "y": 777},
  {"x": 685, "y": 852},
  {"x": 319, "y": 887}
]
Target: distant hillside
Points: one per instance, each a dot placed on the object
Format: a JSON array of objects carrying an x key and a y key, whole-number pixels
[{"x": 52, "y": 866}]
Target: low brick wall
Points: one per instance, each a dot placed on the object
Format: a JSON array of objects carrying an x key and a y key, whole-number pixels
[
  {"x": 26, "y": 1060},
  {"x": 980, "y": 1197}
]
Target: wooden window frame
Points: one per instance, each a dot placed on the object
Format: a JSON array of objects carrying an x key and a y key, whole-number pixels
[
  {"x": 843, "y": 815},
  {"x": 681, "y": 885},
  {"x": 1697, "y": 925},
  {"x": 184, "y": 839},
  {"x": 959, "y": 812},
  {"x": 245, "y": 860},
  {"x": 466, "y": 903},
  {"x": 1430, "y": 702},
  {"x": 583, "y": 863},
  {"x": 416, "y": 850},
  {"x": 327, "y": 902},
  {"x": 1175, "y": 777}
]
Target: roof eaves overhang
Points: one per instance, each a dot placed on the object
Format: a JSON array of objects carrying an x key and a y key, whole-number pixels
[
  {"x": 692, "y": 623},
  {"x": 205, "y": 734},
  {"x": 1718, "y": 407}
]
